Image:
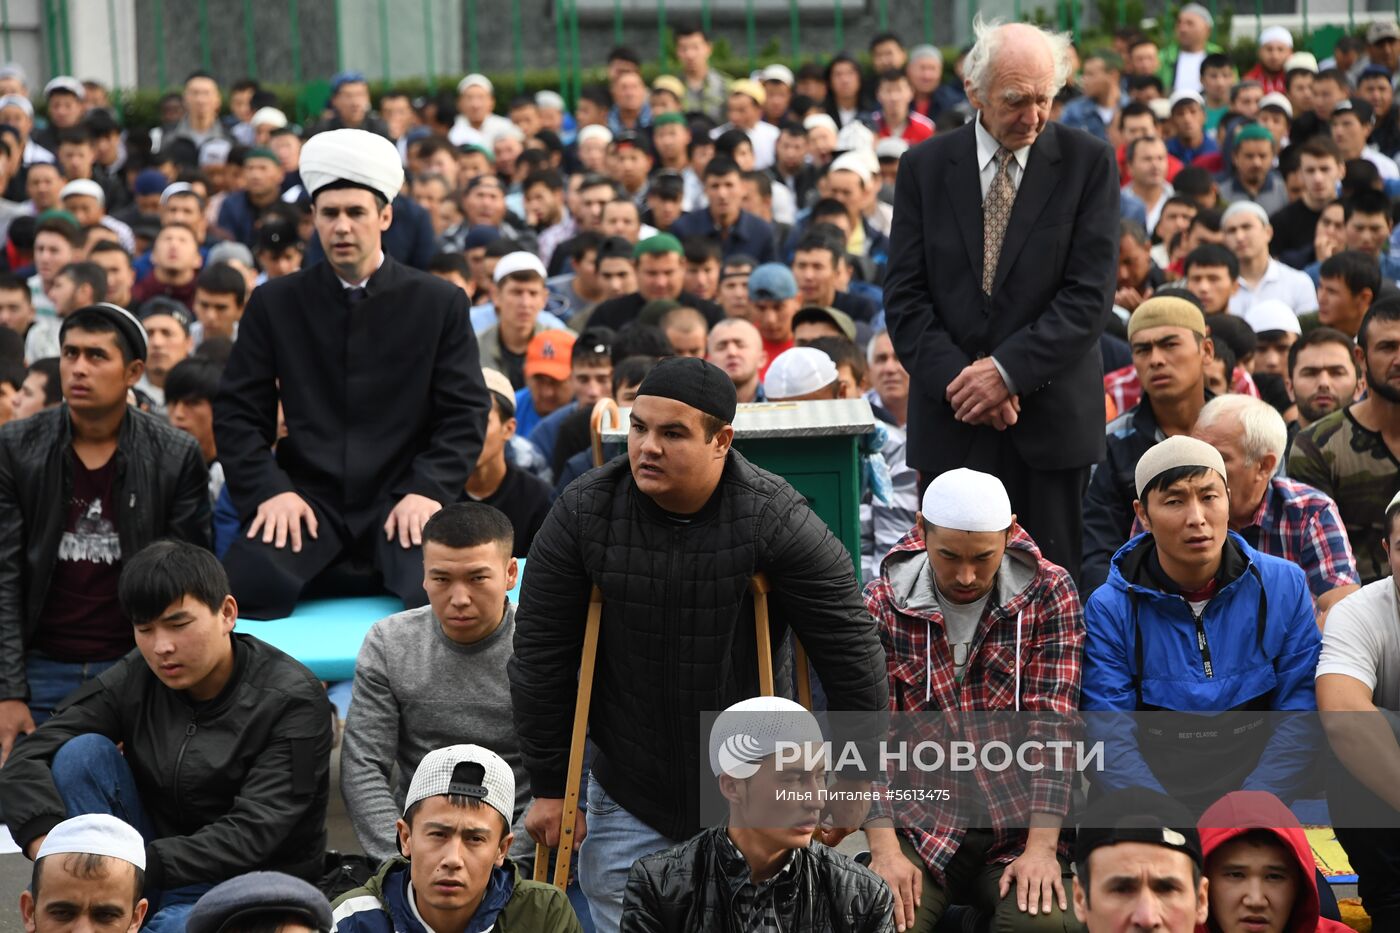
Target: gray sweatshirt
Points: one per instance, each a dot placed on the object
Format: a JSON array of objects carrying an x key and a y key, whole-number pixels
[{"x": 417, "y": 690}]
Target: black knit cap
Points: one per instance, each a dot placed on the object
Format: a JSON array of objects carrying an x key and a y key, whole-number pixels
[
  {"x": 694, "y": 382},
  {"x": 1137, "y": 814}
]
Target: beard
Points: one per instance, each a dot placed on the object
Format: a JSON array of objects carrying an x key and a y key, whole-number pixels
[
  {"x": 1311, "y": 414},
  {"x": 1379, "y": 386}
]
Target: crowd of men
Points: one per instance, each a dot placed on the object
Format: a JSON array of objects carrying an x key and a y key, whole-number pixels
[{"x": 246, "y": 362}]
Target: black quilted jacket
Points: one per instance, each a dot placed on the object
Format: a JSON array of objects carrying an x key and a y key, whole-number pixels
[
  {"x": 161, "y": 491},
  {"x": 685, "y": 888},
  {"x": 677, "y": 634}
]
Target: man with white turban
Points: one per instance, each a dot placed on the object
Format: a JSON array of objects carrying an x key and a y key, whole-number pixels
[
  {"x": 375, "y": 367},
  {"x": 973, "y": 618}
]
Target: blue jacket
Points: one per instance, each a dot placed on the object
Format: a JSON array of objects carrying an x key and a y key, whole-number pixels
[
  {"x": 1261, "y": 634},
  {"x": 1082, "y": 113}
]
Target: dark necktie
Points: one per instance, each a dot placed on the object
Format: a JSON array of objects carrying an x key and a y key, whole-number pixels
[
  {"x": 356, "y": 295},
  {"x": 996, "y": 213}
]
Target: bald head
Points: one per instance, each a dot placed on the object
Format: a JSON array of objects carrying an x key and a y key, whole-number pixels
[{"x": 735, "y": 346}]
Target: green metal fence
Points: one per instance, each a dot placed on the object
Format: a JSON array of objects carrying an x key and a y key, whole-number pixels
[{"x": 744, "y": 23}]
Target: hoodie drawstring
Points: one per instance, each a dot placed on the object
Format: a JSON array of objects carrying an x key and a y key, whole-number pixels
[
  {"x": 1018, "y": 659},
  {"x": 928, "y": 663}
]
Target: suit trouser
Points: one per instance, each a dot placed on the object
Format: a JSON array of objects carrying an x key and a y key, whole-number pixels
[
  {"x": 1049, "y": 504},
  {"x": 267, "y": 581}
]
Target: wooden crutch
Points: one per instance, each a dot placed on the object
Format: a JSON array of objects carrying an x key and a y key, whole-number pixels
[
  {"x": 760, "y": 588},
  {"x": 575, "y": 773},
  {"x": 605, "y": 408}
]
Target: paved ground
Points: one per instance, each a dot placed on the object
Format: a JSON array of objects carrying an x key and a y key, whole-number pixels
[{"x": 15, "y": 869}]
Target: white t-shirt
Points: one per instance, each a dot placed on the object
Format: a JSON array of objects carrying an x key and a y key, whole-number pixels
[
  {"x": 1362, "y": 640},
  {"x": 1188, "y": 71}
]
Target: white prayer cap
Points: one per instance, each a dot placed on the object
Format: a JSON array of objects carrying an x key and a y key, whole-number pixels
[
  {"x": 1305, "y": 61},
  {"x": 750, "y": 730},
  {"x": 852, "y": 162},
  {"x": 779, "y": 73},
  {"x": 268, "y": 116},
  {"x": 1281, "y": 101},
  {"x": 475, "y": 80},
  {"x": 1276, "y": 34},
  {"x": 595, "y": 131},
  {"x": 511, "y": 130},
  {"x": 549, "y": 100},
  {"x": 364, "y": 158},
  {"x": 798, "y": 371},
  {"x": 84, "y": 187},
  {"x": 67, "y": 84},
  {"x": 1272, "y": 314},
  {"x": 1245, "y": 207},
  {"x": 518, "y": 261},
  {"x": 96, "y": 834},
  {"x": 17, "y": 100},
  {"x": 891, "y": 147},
  {"x": 966, "y": 500},
  {"x": 821, "y": 119},
  {"x": 1161, "y": 108}
]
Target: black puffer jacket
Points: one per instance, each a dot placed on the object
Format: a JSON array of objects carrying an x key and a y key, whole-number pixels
[
  {"x": 230, "y": 786},
  {"x": 685, "y": 888},
  {"x": 677, "y": 634},
  {"x": 161, "y": 490}
]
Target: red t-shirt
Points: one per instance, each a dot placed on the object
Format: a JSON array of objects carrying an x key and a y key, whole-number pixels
[
  {"x": 773, "y": 349},
  {"x": 81, "y": 619}
]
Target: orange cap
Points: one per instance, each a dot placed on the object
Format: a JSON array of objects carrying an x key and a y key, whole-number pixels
[{"x": 549, "y": 354}]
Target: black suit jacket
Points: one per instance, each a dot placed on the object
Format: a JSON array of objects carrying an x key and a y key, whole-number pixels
[
  {"x": 381, "y": 399},
  {"x": 1051, "y": 298}
]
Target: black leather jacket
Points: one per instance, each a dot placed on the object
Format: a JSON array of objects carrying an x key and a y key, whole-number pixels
[
  {"x": 688, "y": 888},
  {"x": 161, "y": 490}
]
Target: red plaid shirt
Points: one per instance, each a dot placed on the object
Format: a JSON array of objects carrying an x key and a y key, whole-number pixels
[
  {"x": 1123, "y": 386},
  {"x": 921, "y": 665}
]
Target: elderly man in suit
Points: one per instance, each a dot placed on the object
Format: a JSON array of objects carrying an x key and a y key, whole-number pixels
[{"x": 1001, "y": 277}]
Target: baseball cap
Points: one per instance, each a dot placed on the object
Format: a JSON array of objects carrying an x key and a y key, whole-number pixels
[
  {"x": 1356, "y": 105},
  {"x": 1279, "y": 102},
  {"x": 749, "y": 88},
  {"x": 150, "y": 181},
  {"x": 465, "y": 771},
  {"x": 342, "y": 78},
  {"x": 840, "y": 319},
  {"x": 1137, "y": 814},
  {"x": 475, "y": 80},
  {"x": 258, "y": 893},
  {"x": 1381, "y": 31},
  {"x": 549, "y": 353},
  {"x": 1183, "y": 96},
  {"x": 66, "y": 84},
  {"x": 772, "y": 281},
  {"x": 780, "y": 73},
  {"x": 276, "y": 237},
  {"x": 518, "y": 261},
  {"x": 168, "y": 307},
  {"x": 798, "y": 371}
]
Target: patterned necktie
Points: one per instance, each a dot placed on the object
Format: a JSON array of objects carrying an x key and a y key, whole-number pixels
[{"x": 996, "y": 211}]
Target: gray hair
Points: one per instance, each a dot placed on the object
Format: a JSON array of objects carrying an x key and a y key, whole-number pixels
[
  {"x": 870, "y": 345},
  {"x": 979, "y": 68},
  {"x": 1261, "y": 426}
]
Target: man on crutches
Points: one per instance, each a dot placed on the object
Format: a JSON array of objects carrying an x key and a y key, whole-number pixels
[{"x": 672, "y": 537}]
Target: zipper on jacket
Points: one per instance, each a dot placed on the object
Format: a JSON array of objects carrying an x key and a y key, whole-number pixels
[
  {"x": 179, "y": 760},
  {"x": 1202, "y": 644}
]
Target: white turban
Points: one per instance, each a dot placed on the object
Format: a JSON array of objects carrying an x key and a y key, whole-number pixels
[
  {"x": 966, "y": 500},
  {"x": 357, "y": 156},
  {"x": 1276, "y": 34}
]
